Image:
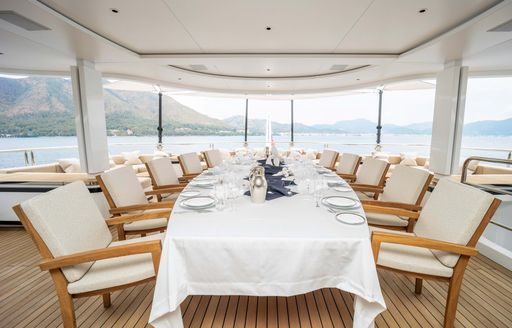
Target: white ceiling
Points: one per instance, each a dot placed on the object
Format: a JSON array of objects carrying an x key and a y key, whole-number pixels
[{"x": 157, "y": 41}]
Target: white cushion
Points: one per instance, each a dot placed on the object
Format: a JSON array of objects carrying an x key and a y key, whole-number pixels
[
  {"x": 363, "y": 196},
  {"x": 386, "y": 219},
  {"x": 311, "y": 154},
  {"x": 146, "y": 224},
  {"x": 163, "y": 171},
  {"x": 408, "y": 161},
  {"x": 68, "y": 221},
  {"x": 348, "y": 163},
  {"x": 452, "y": 214},
  {"x": 159, "y": 153},
  {"x": 132, "y": 157},
  {"x": 117, "y": 271},
  {"x": 328, "y": 158},
  {"x": 70, "y": 165},
  {"x": 412, "y": 259},
  {"x": 124, "y": 187},
  {"x": 214, "y": 157},
  {"x": 191, "y": 163},
  {"x": 404, "y": 185},
  {"x": 371, "y": 171}
]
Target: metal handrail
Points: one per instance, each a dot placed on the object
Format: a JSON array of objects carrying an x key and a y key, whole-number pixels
[{"x": 464, "y": 174}]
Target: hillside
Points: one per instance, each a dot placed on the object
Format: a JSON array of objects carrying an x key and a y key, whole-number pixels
[{"x": 38, "y": 106}]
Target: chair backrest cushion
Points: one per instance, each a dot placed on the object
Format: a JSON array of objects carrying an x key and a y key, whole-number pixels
[
  {"x": 191, "y": 163},
  {"x": 124, "y": 187},
  {"x": 348, "y": 163},
  {"x": 405, "y": 185},
  {"x": 163, "y": 171},
  {"x": 214, "y": 157},
  {"x": 328, "y": 158},
  {"x": 452, "y": 213},
  {"x": 371, "y": 171},
  {"x": 68, "y": 221}
]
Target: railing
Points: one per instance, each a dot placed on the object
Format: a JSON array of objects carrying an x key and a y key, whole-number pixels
[{"x": 30, "y": 158}]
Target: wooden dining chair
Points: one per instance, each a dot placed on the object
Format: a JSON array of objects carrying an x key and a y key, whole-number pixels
[
  {"x": 213, "y": 157},
  {"x": 347, "y": 166},
  {"x": 163, "y": 176},
  {"x": 443, "y": 241},
  {"x": 125, "y": 195},
  {"x": 399, "y": 203},
  {"x": 370, "y": 178},
  {"x": 328, "y": 159},
  {"x": 77, "y": 248},
  {"x": 190, "y": 165}
]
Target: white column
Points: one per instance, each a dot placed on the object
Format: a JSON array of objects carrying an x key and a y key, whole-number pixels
[
  {"x": 90, "y": 122},
  {"x": 448, "y": 121}
]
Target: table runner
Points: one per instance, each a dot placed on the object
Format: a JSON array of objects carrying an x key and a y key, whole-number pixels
[{"x": 280, "y": 248}]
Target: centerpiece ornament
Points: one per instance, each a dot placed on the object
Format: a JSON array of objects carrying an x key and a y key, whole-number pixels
[{"x": 258, "y": 184}]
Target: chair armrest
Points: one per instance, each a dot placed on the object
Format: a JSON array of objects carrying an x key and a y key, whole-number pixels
[
  {"x": 153, "y": 246},
  {"x": 161, "y": 191},
  {"x": 366, "y": 188},
  {"x": 390, "y": 210},
  {"x": 347, "y": 176},
  {"x": 179, "y": 185},
  {"x": 138, "y": 217},
  {"x": 384, "y": 237},
  {"x": 405, "y": 206},
  {"x": 141, "y": 207}
]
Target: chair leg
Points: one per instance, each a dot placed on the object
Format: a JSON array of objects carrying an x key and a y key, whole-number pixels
[
  {"x": 419, "y": 286},
  {"x": 143, "y": 235},
  {"x": 120, "y": 232},
  {"x": 67, "y": 308},
  {"x": 454, "y": 291},
  {"x": 106, "y": 300}
]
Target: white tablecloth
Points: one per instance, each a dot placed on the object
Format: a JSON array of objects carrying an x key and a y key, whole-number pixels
[{"x": 283, "y": 247}]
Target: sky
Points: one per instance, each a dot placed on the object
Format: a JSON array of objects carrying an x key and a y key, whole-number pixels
[{"x": 486, "y": 99}]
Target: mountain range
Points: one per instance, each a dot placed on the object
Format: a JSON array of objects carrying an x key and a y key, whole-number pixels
[{"x": 40, "y": 106}]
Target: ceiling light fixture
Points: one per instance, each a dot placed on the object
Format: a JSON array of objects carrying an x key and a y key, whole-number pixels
[
  {"x": 179, "y": 79},
  {"x": 268, "y": 28},
  {"x": 423, "y": 10},
  {"x": 114, "y": 10},
  {"x": 268, "y": 69}
]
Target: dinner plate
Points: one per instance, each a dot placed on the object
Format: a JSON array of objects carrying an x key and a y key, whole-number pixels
[
  {"x": 335, "y": 183},
  {"x": 340, "y": 202},
  {"x": 343, "y": 188},
  {"x": 198, "y": 202},
  {"x": 330, "y": 174},
  {"x": 190, "y": 193},
  {"x": 350, "y": 218}
]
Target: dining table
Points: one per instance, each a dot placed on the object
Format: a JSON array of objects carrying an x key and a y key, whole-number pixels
[{"x": 285, "y": 246}]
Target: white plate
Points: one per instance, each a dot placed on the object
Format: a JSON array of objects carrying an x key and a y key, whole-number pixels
[
  {"x": 202, "y": 182},
  {"x": 340, "y": 202},
  {"x": 190, "y": 193},
  {"x": 198, "y": 202},
  {"x": 330, "y": 174},
  {"x": 343, "y": 188},
  {"x": 350, "y": 218},
  {"x": 335, "y": 182}
]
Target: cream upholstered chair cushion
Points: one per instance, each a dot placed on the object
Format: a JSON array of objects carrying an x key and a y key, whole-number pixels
[
  {"x": 409, "y": 258},
  {"x": 68, "y": 221},
  {"x": 191, "y": 163},
  {"x": 124, "y": 187},
  {"x": 405, "y": 185},
  {"x": 452, "y": 213},
  {"x": 347, "y": 163},
  {"x": 386, "y": 219},
  {"x": 214, "y": 157},
  {"x": 117, "y": 271},
  {"x": 328, "y": 158},
  {"x": 163, "y": 171},
  {"x": 125, "y": 190},
  {"x": 371, "y": 171}
]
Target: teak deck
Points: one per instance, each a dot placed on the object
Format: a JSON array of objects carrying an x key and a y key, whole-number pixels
[{"x": 28, "y": 299}]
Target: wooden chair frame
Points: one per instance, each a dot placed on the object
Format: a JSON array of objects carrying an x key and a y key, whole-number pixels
[
  {"x": 118, "y": 210},
  {"x": 186, "y": 174},
  {"x": 174, "y": 188},
  {"x": 455, "y": 281},
  {"x": 376, "y": 190},
  {"x": 410, "y": 211},
  {"x": 54, "y": 264},
  {"x": 350, "y": 177}
]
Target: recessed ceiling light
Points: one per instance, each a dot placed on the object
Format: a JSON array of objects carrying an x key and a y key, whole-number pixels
[
  {"x": 179, "y": 79},
  {"x": 114, "y": 10},
  {"x": 1, "y": 53},
  {"x": 268, "y": 69},
  {"x": 358, "y": 79},
  {"x": 423, "y": 10},
  {"x": 268, "y": 28}
]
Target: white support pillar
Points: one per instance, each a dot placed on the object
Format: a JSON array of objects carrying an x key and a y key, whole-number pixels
[
  {"x": 90, "y": 122},
  {"x": 448, "y": 121}
]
